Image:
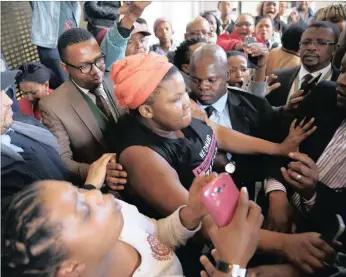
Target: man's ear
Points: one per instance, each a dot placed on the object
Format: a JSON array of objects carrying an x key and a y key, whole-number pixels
[
  {"x": 146, "y": 111},
  {"x": 63, "y": 66},
  {"x": 71, "y": 268},
  {"x": 228, "y": 76},
  {"x": 185, "y": 68}
]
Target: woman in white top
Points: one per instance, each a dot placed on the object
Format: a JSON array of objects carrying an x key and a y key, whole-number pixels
[{"x": 52, "y": 228}]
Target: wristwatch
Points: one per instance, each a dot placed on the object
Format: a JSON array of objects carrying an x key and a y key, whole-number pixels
[{"x": 233, "y": 269}]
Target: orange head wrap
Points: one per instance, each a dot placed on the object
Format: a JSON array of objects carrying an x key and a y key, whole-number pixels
[{"x": 136, "y": 77}]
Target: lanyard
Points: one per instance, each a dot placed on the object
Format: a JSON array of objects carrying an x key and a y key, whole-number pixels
[{"x": 325, "y": 77}]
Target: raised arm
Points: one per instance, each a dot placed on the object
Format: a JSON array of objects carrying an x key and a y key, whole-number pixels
[
  {"x": 115, "y": 42},
  {"x": 236, "y": 142}
]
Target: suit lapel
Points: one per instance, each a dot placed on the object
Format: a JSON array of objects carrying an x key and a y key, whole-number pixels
[
  {"x": 289, "y": 78},
  {"x": 237, "y": 114},
  {"x": 82, "y": 109},
  {"x": 278, "y": 97}
]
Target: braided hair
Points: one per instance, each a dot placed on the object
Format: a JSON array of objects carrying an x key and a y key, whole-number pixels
[
  {"x": 331, "y": 12},
  {"x": 29, "y": 239}
]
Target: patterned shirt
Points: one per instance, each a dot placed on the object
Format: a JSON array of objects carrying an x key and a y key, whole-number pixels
[{"x": 331, "y": 166}]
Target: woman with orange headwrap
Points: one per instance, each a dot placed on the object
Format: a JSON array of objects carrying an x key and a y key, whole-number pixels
[{"x": 161, "y": 146}]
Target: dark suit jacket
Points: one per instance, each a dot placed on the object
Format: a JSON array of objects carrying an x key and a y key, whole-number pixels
[
  {"x": 68, "y": 116},
  {"x": 250, "y": 115},
  {"x": 278, "y": 97},
  {"x": 320, "y": 104},
  {"x": 15, "y": 177}
]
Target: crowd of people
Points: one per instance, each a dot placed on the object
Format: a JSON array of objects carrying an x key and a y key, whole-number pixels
[{"x": 106, "y": 153}]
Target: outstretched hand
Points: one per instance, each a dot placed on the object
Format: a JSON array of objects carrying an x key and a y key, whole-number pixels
[
  {"x": 297, "y": 133},
  {"x": 271, "y": 84}
]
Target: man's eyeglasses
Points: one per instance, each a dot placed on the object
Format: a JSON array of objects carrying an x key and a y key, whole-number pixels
[
  {"x": 87, "y": 67},
  {"x": 317, "y": 43}
]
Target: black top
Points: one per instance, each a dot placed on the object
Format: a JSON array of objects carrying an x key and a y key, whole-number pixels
[{"x": 189, "y": 156}]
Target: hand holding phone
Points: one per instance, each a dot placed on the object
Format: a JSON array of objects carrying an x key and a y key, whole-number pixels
[
  {"x": 249, "y": 40},
  {"x": 237, "y": 241},
  {"x": 220, "y": 197}
]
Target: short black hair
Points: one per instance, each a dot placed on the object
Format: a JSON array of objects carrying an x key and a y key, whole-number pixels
[
  {"x": 182, "y": 53},
  {"x": 218, "y": 24},
  {"x": 291, "y": 37},
  {"x": 235, "y": 53},
  {"x": 326, "y": 25},
  {"x": 141, "y": 21},
  {"x": 70, "y": 37},
  {"x": 259, "y": 18}
]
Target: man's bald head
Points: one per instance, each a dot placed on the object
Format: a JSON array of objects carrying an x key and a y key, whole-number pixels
[
  {"x": 209, "y": 74},
  {"x": 207, "y": 55},
  {"x": 198, "y": 28}
]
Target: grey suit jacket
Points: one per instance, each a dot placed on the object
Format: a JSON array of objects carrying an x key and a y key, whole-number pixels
[{"x": 68, "y": 116}]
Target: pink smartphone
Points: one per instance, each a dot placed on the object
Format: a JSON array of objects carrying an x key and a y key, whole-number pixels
[{"x": 220, "y": 197}]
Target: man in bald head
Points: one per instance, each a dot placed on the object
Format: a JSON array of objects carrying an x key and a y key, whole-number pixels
[
  {"x": 198, "y": 28},
  {"x": 233, "y": 108}
]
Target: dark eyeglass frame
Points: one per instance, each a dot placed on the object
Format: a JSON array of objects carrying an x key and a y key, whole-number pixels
[
  {"x": 319, "y": 43},
  {"x": 103, "y": 57}
]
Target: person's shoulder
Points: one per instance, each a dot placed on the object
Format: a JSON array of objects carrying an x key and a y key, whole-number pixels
[
  {"x": 58, "y": 95},
  {"x": 275, "y": 51},
  {"x": 28, "y": 120},
  {"x": 243, "y": 95},
  {"x": 127, "y": 120},
  {"x": 289, "y": 70},
  {"x": 326, "y": 84}
]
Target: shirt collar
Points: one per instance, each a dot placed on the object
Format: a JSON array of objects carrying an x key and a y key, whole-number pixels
[
  {"x": 6, "y": 140},
  {"x": 219, "y": 105},
  {"x": 303, "y": 72},
  {"x": 86, "y": 91}
]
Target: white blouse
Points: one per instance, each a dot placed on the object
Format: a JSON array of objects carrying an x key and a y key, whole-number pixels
[{"x": 155, "y": 241}]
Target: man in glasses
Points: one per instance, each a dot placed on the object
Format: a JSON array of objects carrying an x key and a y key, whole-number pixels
[
  {"x": 317, "y": 47},
  {"x": 82, "y": 112}
]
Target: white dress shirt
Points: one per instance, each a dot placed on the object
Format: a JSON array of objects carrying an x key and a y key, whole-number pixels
[
  {"x": 89, "y": 94},
  {"x": 220, "y": 115},
  {"x": 6, "y": 140},
  {"x": 326, "y": 76}
]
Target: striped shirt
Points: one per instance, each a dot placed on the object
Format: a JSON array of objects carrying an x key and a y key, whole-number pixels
[{"x": 331, "y": 166}]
